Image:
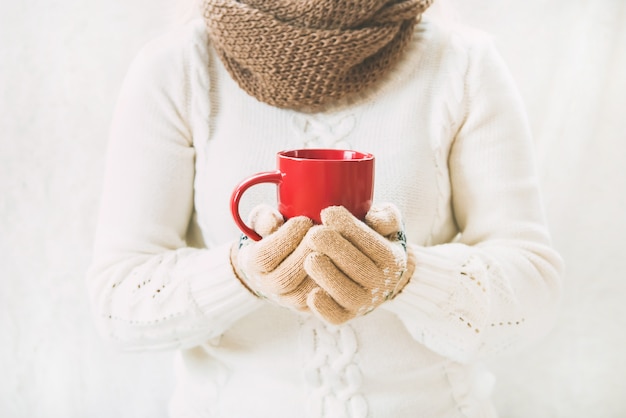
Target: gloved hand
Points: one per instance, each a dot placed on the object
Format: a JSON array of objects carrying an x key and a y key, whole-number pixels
[
  {"x": 357, "y": 265},
  {"x": 272, "y": 268}
]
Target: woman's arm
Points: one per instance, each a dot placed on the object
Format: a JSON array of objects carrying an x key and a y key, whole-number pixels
[
  {"x": 148, "y": 288},
  {"x": 499, "y": 284}
]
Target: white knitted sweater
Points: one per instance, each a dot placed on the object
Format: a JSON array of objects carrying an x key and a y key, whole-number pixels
[{"x": 453, "y": 152}]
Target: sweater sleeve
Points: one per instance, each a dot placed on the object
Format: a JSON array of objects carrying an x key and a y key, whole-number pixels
[
  {"x": 498, "y": 285},
  {"x": 148, "y": 289}
]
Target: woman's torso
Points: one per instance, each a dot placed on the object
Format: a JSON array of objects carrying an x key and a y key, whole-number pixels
[{"x": 275, "y": 363}]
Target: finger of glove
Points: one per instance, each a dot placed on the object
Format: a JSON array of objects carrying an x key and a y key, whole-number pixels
[
  {"x": 385, "y": 254},
  {"x": 271, "y": 251},
  {"x": 265, "y": 220},
  {"x": 297, "y": 298},
  {"x": 344, "y": 291},
  {"x": 289, "y": 274},
  {"x": 322, "y": 305},
  {"x": 385, "y": 219},
  {"x": 345, "y": 256}
]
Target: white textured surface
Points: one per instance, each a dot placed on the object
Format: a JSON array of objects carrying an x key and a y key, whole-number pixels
[{"x": 61, "y": 64}]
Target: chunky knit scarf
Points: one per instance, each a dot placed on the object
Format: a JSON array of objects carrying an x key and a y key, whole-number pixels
[{"x": 305, "y": 54}]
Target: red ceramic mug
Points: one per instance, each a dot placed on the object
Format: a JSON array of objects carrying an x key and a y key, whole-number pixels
[{"x": 309, "y": 180}]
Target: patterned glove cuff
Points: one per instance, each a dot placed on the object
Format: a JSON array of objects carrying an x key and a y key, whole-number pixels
[{"x": 240, "y": 274}]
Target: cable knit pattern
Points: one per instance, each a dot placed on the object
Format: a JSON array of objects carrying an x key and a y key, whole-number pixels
[
  {"x": 332, "y": 372},
  {"x": 317, "y": 131},
  {"x": 453, "y": 153},
  {"x": 447, "y": 120},
  {"x": 201, "y": 112}
]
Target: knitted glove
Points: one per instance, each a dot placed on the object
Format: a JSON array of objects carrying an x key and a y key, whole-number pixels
[
  {"x": 272, "y": 268},
  {"x": 357, "y": 265}
]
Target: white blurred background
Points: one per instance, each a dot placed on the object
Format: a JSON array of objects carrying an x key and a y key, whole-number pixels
[{"x": 61, "y": 65}]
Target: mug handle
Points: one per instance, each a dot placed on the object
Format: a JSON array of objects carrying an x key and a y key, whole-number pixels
[{"x": 265, "y": 177}]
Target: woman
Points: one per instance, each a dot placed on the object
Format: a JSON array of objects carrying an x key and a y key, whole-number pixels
[{"x": 271, "y": 329}]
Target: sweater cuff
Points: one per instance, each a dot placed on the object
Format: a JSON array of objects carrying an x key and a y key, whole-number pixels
[
  {"x": 445, "y": 304},
  {"x": 217, "y": 292}
]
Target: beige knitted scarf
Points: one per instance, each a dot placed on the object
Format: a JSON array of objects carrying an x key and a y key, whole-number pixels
[{"x": 305, "y": 54}]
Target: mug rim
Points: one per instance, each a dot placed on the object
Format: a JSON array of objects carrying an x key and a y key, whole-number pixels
[{"x": 337, "y": 154}]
